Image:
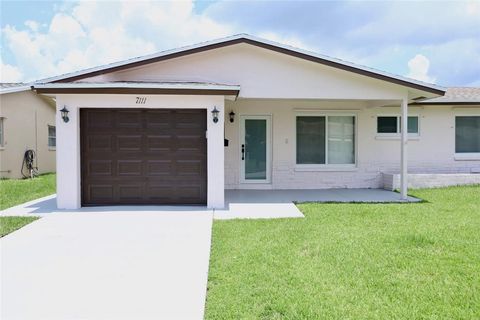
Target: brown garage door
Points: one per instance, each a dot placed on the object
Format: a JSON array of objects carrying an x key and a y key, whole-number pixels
[{"x": 143, "y": 156}]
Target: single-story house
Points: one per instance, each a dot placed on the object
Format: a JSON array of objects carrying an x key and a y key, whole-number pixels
[
  {"x": 181, "y": 126},
  {"x": 27, "y": 122}
]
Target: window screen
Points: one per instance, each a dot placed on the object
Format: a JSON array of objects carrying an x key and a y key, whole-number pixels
[{"x": 341, "y": 140}]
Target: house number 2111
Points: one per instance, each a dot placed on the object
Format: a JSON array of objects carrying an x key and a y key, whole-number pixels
[{"x": 141, "y": 100}]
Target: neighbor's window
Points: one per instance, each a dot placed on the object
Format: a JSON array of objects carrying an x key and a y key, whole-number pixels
[
  {"x": 52, "y": 140},
  {"x": 393, "y": 124},
  {"x": 326, "y": 140},
  {"x": 467, "y": 134},
  {"x": 2, "y": 136}
]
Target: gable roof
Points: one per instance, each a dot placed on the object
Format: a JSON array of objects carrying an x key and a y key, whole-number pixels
[
  {"x": 10, "y": 87},
  {"x": 456, "y": 96},
  {"x": 248, "y": 39}
]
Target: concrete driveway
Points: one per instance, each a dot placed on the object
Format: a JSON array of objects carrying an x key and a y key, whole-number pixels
[{"x": 113, "y": 263}]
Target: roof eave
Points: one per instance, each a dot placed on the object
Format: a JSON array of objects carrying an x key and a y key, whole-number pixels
[
  {"x": 451, "y": 103},
  {"x": 14, "y": 89},
  {"x": 88, "y": 88}
]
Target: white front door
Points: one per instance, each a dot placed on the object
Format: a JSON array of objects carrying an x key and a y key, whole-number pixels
[{"x": 255, "y": 149}]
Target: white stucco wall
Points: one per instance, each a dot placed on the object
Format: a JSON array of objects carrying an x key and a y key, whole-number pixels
[
  {"x": 262, "y": 73},
  {"x": 68, "y": 140},
  {"x": 26, "y": 119},
  {"x": 432, "y": 151}
]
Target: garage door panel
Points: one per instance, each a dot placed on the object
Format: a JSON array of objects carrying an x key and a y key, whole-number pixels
[
  {"x": 129, "y": 167},
  {"x": 159, "y": 143},
  {"x": 159, "y": 167},
  {"x": 189, "y": 167},
  {"x": 100, "y": 143},
  {"x": 158, "y": 119},
  {"x": 129, "y": 142},
  {"x": 188, "y": 193},
  {"x": 130, "y": 192},
  {"x": 98, "y": 118},
  {"x": 100, "y": 167},
  {"x": 143, "y": 156},
  {"x": 129, "y": 119},
  {"x": 100, "y": 193},
  {"x": 162, "y": 193}
]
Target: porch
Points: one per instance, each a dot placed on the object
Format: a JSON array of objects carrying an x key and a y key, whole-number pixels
[{"x": 268, "y": 204}]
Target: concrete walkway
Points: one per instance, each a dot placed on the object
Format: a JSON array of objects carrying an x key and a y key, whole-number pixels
[
  {"x": 107, "y": 263},
  {"x": 268, "y": 204}
]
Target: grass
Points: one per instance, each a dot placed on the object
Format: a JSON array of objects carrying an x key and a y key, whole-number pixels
[
  {"x": 10, "y": 224},
  {"x": 14, "y": 192},
  {"x": 352, "y": 261}
]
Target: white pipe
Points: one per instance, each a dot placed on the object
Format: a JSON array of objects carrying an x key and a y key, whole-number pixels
[{"x": 404, "y": 154}]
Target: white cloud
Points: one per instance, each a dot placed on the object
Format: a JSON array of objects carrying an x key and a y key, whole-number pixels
[
  {"x": 418, "y": 68},
  {"x": 9, "y": 73},
  {"x": 33, "y": 25},
  {"x": 288, "y": 40},
  {"x": 94, "y": 33}
]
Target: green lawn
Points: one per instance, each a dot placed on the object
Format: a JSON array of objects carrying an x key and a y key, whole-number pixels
[
  {"x": 13, "y": 192},
  {"x": 352, "y": 261},
  {"x": 10, "y": 224}
]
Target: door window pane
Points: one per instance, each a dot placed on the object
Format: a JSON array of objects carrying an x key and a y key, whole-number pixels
[
  {"x": 387, "y": 124},
  {"x": 467, "y": 134},
  {"x": 341, "y": 140},
  {"x": 255, "y": 149},
  {"x": 311, "y": 140}
]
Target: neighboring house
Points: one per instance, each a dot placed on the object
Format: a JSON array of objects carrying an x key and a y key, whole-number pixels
[
  {"x": 146, "y": 130},
  {"x": 27, "y": 122}
]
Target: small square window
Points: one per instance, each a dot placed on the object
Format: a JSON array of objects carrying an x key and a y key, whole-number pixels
[
  {"x": 52, "y": 139},
  {"x": 412, "y": 124},
  {"x": 387, "y": 124}
]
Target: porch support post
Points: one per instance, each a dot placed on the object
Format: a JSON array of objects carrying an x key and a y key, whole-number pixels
[
  {"x": 215, "y": 156},
  {"x": 404, "y": 154}
]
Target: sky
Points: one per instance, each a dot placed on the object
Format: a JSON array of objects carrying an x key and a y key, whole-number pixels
[{"x": 431, "y": 41}]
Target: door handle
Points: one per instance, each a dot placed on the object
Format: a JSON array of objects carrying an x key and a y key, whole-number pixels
[{"x": 243, "y": 152}]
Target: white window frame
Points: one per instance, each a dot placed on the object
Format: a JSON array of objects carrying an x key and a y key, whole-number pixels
[
  {"x": 326, "y": 166},
  {"x": 397, "y": 135},
  {"x": 48, "y": 137},
  {"x": 463, "y": 155}
]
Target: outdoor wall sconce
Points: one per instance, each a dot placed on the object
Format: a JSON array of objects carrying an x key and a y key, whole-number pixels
[
  {"x": 64, "y": 111},
  {"x": 232, "y": 116},
  {"x": 215, "y": 113}
]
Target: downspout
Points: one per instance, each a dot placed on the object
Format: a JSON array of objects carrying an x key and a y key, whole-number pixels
[{"x": 404, "y": 149}]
